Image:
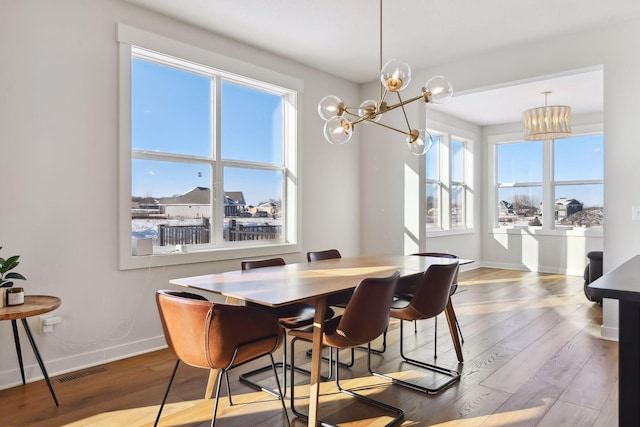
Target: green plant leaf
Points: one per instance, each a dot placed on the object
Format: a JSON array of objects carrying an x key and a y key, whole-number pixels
[
  {"x": 9, "y": 264},
  {"x": 6, "y": 284},
  {"x": 14, "y": 275}
]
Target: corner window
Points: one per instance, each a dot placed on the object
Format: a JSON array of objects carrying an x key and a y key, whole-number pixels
[
  {"x": 211, "y": 160},
  {"x": 447, "y": 183}
]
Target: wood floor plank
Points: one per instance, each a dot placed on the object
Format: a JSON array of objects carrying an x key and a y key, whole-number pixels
[{"x": 568, "y": 415}]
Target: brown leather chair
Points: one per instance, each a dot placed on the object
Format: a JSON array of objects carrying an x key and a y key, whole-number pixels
[
  {"x": 216, "y": 336},
  {"x": 365, "y": 318},
  {"x": 407, "y": 286},
  {"x": 430, "y": 299},
  {"x": 290, "y": 316}
]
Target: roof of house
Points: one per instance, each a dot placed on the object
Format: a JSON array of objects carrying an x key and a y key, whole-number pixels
[
  {"x": 202, "y": 196},
  {"x": 567, "y": 202},
  {"x": 236, "y": 196}
]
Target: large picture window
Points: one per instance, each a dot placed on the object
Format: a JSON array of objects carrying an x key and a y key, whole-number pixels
[
  {"x": 554, "y": 184},
  {"x": 212, "y": 159}
]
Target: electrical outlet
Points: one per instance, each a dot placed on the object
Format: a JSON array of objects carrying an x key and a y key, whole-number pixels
[
  {"x": 635, "y": 213},
  {"x": 47, "y": 321}
]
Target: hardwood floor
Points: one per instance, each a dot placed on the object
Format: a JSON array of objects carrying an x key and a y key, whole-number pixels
[{"x": 533, "y": 357}]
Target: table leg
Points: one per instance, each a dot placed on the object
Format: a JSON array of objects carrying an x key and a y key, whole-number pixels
[
  {"x": 39, "y": 359},
  {"x": 316, "y": 361},
  {"x": 16, "y": 338},
  {"x": 213, "y": 373},
  {"x": 453, "y": 330},
  {"x": 629, "y": 364}
]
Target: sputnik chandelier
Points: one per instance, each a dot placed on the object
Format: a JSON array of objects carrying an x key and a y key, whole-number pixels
[{"x": 394, "y": 77}]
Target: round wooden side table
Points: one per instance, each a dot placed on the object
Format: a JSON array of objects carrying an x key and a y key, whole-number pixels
[{"x": 34, "y": 305}]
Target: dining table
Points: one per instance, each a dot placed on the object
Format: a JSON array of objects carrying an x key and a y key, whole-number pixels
[{"x": 313, "y": 282}]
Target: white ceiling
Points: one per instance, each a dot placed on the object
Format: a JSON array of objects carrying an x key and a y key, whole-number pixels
[{"x": 342, "y": 37}]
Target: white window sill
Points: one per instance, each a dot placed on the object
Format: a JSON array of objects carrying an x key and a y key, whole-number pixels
[
  {"x": 438, "y": 232},
  {"x": 538, "y": 231},
  {"x": 192, "y": 256}
]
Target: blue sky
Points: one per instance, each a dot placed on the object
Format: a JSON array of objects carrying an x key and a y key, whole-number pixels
[
  {"x": 574, "y": 158},
  {"x": 172, "y": 113}
]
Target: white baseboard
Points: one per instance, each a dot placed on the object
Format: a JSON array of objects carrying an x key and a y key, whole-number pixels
[
  {"x": 609, "y": 333},
  {"x": 11, "y": 378},
  {"x": 534, "y": 268}
]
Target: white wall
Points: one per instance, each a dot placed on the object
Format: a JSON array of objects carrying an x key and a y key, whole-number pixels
[{"x": 59, "y": 174}]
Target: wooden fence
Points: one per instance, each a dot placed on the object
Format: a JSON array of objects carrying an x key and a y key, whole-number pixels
[
  {"x": 239, "y": 232},
  {"x": 170, "y": 235}
]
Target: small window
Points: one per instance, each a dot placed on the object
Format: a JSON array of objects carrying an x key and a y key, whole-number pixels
[{"x": 447, "y": 183}]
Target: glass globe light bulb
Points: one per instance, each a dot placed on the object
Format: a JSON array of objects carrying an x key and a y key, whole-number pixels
[
  {"x": 439, "y": 90},
  {"x": 369, "y": 108},
  {"x": 395, "y": 75},
  {"x": 419, "y": 142},
  {"x": 330, "y": 106},
  {"x": 338, "y": 130}
]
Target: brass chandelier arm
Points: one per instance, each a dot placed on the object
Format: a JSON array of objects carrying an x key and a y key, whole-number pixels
[
  {"x": 368, "y": 119},
  {"x": 384, "y": 109},
  {"x": 404, "y": 113}
]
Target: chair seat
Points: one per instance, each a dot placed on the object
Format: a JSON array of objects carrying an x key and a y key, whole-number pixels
[{"x": 295, "y": 315}]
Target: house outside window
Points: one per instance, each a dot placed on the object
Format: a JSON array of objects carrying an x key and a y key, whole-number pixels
[
  {"x": 564, "y": 174},
  {"x": 212, "y": 159}
]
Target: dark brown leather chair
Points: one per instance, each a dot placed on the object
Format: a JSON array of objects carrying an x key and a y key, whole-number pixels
[
  {"x": 407, "y": 286},
  {"x": 365, "y": 318},
  {"x": 290, "y": 316},
  {"x": 430, "y": 299},
  {"x": 216, "y": 336}
]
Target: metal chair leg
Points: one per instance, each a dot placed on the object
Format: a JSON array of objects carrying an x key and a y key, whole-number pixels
[
  {"x": 455, "y": 375},
  {"x": 166, "y": 393},
  {"x": 399, "y": 412}
]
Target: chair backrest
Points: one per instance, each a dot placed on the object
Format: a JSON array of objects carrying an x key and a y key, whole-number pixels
[
  {"x": 320, "y": 255},
  {"x": 432, "y": 295},
  {"x": 442, "y": 255},
  {"x": 215, "y": 336},
  {"x": 366, "y": 316},
  {"x": 258, "y": 263}
]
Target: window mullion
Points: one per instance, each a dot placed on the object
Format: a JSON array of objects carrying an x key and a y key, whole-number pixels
[
  {"x": 217, "y": 195},
  {"x": 548, "y": 202},
  {"x": 445, "y": 178}
]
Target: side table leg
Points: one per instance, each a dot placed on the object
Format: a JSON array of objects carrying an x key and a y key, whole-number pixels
[
  {"x": 39, "y": 359},
  {"x": 16, "y": 338}
]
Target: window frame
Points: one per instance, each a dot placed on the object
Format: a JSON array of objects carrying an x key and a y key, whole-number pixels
[
  {"x": 447, "y": 134},
  {"x": 548, "y": 184},
  {"x": 134, "y": 42}
]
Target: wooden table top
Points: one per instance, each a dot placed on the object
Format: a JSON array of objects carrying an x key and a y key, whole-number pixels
[
  {"x": 33, "y": 306},
  {"x": 282, "y": 285}
]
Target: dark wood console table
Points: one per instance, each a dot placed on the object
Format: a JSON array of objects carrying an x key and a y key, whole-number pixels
[{"x": 623, "y": 284}]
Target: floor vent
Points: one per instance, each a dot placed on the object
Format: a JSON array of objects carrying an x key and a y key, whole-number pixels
[{"x": 77, "y": 375}]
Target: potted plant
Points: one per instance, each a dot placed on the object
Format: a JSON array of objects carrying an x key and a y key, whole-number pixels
[{"x": 6, "y": 275}]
